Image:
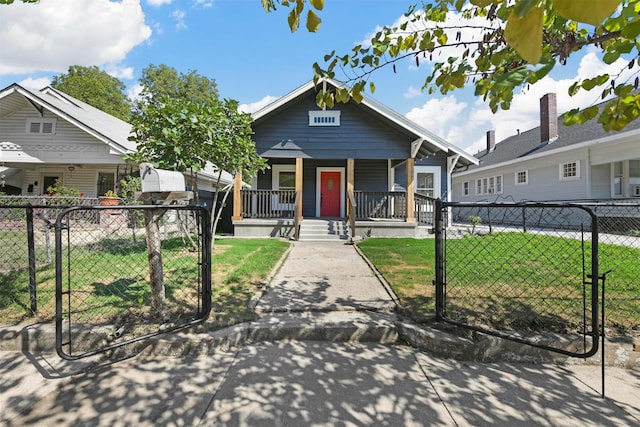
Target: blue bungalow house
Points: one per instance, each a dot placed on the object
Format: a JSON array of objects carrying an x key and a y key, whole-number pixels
[{"x": 362, "y": 165}]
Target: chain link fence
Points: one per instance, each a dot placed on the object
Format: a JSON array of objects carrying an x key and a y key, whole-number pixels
[
  {"x": 27, "y": 254},
  {"x": 103, "y": 272},
  {"x": 528, "y": 267},
  {"x": 141, "y": 271}
]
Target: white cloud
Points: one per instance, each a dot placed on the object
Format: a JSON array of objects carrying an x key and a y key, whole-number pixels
[
  {"x": 437, "y": 115},
  {"x": 123, "y": 73},
  {"x": 204, "y": 3},
  {"x": 158, "y": 2},
  {"x": 412, "y": 92},
  {"x": 255, "y": 106},
  {"x": 36, "y": 84},
  {"x": 69, "y": 32},
  {"x": 133, "y": 93},
  {"x": 179, "y": 15}
]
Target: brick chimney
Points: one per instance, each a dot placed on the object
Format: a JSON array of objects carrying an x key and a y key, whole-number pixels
[
  {"x": 548, "y": 118},
  {"x": 491, "y": 140}
]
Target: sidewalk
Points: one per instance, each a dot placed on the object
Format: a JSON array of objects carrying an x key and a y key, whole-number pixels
[
  {"x": 303, "y": 383},
  {"x": 279, "y": 381}
]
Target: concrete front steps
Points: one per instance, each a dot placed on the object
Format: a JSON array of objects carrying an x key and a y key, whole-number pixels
[{"x": 312, "y": 230}]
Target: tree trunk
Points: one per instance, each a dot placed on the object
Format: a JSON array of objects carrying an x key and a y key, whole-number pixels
[{"x": 152, "y": 216}]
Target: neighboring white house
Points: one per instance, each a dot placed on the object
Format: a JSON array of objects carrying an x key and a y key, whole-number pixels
[
  {"x": 48, "y": 135},
  {"x": 554, "y": 162}
]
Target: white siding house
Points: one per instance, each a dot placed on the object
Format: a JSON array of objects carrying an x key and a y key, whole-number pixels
[
  {"x": 47, "y": 135},
  {"x": 554, "y": 162}
]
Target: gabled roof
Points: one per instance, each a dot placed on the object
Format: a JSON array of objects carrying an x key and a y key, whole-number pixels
[
  {"x": 103, "y": 126},
  {"x": 424, "y": 144},
  {"x": 527, "y": 145}
]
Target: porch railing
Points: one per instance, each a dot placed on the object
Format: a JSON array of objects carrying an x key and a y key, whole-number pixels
[
  {"x": 364, "y": 205},
  {"x": 381, "y": 204},
  {"x": 268, "y": 203},
  {"x": 425, "y": 208}
]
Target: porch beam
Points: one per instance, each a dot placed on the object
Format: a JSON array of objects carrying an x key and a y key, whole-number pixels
[
  {"x": 299, "y": 185},
  {"x": 237, "y": 197},
  {"x": 411, "y": 188}
]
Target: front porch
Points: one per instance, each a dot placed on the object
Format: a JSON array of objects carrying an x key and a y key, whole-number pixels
[{"x": 272, "y": 213}]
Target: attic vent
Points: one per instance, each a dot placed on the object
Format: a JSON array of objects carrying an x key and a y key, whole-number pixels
[
  {"x": 43, "y": 126},
  {"x": 324, "y": 118}
]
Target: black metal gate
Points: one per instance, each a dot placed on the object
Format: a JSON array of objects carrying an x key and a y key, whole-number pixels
[
  {"x": 127, "y": 273},
  {"x": 526, "y": 272}
]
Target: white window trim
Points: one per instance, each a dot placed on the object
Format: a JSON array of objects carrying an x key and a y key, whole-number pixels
[
  {"x": 41, "y": 122},
  {"x": 570, "y": 178},
  {"x": 275, "y": 184},
  {"x": 436, "y": 171},
  {"x": 468, "y": 192},
  {"x": 485, "y": 185},
  {"x": 526, "y": 177},
  {"x": 319, "y": 170}
]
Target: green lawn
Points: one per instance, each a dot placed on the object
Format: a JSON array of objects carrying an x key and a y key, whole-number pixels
[
  {"x": 110, "y": 279},
  {"x": 510, "y": 280}
]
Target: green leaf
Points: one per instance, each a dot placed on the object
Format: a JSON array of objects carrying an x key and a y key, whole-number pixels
[
  {"x": 610, "y": 57},
  {"x": 294, "y": 20},
  {"x": 317, "y": 4},
  {"x": 574, "y": 88},
  {"x": 631, "y": 30},
  {"x": 524, "y": 35},
  {"x": 484, "y": 3},
  {"x": 313, "y": 21},
  {"x": 589, "y": 84},
  {"x": 594, "y": 13},
  {"x": 372, "y": 87},
  {"x": 342, "y": 95},
  {"x": 523, "y": 7}
]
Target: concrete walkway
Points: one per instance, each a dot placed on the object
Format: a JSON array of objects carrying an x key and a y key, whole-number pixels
[
  {"x": 278, "y": 381},
  {"x": 325, "y": 276}
]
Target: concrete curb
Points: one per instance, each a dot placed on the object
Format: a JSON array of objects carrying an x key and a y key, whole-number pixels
[{"x": 345, "y": 326}]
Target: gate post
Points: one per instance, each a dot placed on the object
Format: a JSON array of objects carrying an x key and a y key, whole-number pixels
[
  {"x": 439, "y": 281},
  {"x": 33, "y": 297}
]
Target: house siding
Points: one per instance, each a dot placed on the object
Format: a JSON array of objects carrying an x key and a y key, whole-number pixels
[
  {"x": 361, "y": 135},
  {"x": 543, "y": 181},
  {"x": 601, "y": 181},
  {"x": 68, "y": 145}
]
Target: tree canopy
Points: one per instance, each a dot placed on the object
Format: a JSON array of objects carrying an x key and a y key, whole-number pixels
[
  {"x": 160, "y": 81},
  {"x": 495, "y": 46},
  {"x": 180, "y": 134},
  {"x": 96, "y": 88}
]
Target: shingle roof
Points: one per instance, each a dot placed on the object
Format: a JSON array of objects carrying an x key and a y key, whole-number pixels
[{"x": 528, "y": 143}]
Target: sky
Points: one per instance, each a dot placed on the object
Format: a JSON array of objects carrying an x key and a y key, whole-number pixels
[{"x": 254, "y": 58}]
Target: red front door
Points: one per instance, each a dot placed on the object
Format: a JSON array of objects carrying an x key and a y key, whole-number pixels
[{"x": 329, "y": 193}]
